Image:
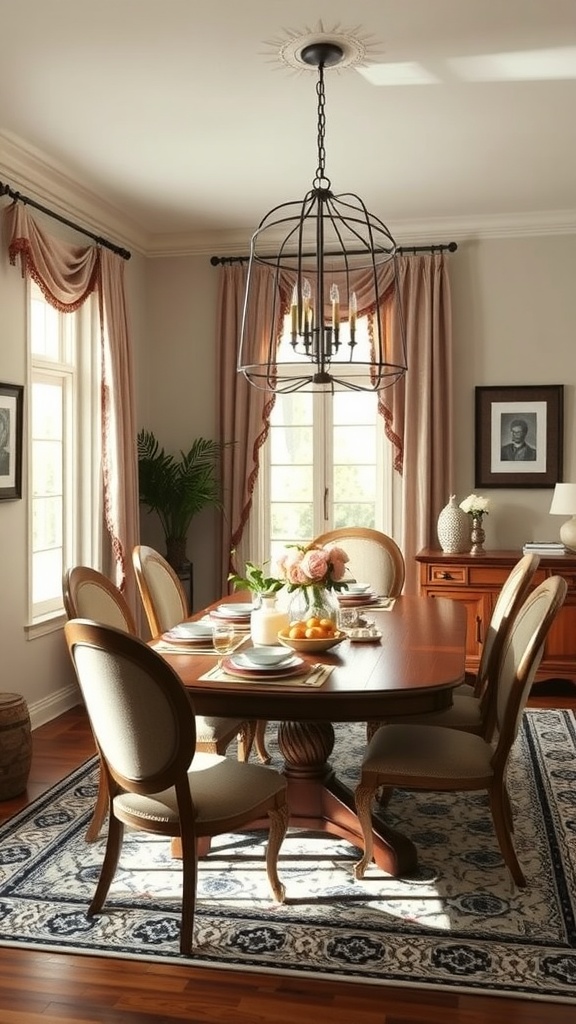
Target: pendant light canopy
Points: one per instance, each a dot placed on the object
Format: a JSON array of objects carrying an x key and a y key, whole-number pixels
[{"x": 326, "y": 261}]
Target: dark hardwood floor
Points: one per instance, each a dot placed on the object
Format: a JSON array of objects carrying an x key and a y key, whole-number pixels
[{"x": 54, "y": 988}]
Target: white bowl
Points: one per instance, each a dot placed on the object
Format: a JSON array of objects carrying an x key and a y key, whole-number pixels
[{"x": 266, "y": 655}]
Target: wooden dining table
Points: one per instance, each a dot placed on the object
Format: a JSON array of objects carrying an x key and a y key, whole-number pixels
[{"x": 413, "y": 669}]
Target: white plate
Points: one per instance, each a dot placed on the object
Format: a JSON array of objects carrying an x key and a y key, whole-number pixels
[
  {"x": 236, "y": 611},
  {"x": 241, "y": 661},
  {"x": 356, "y": 588},
  {"x": 191, "y": 631}
]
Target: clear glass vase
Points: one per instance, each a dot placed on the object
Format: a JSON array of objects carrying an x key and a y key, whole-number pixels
[{"x": 312, "y": 601}]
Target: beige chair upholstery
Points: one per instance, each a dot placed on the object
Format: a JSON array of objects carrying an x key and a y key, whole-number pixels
[
  {"x": 474, "y": 707},
  {"x": 165, "y": 605},
  {"x": 374, "y": 557},
  {"x": 162, "y": 593},
  {"x": 145, "y": 728},
  {"x": 511, "y": 596},
  {"x": 427, "y": 757},
  {"x": 88, "y": 594}
]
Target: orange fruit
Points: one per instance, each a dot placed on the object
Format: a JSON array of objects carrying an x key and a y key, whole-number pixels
[
  {"x": 327, "y": 630},
  {"x": 314, "y": 633},
  {"x": 297, "y": 631},
  {"x": 312, "y": 622},
  {"x": 327, "y": 624}
]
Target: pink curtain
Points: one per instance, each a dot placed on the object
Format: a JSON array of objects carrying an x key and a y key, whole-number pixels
[
  {"x": 243, "y": 410},
  {"x": 67, "y": 275},
  {"x": 417, "y": 411}
]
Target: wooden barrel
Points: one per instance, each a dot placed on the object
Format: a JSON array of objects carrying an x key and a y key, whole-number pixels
[{"x": 15, "y": 745}]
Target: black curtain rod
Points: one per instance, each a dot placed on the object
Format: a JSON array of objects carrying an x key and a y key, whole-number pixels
[
  {"x": 5, "y": 190},
  {"x": 402, "y": 250}
]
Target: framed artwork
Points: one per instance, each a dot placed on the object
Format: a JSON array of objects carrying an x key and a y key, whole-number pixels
[
  {"x": 519, "y": 436},
  {"x": 11, "y": 420}
]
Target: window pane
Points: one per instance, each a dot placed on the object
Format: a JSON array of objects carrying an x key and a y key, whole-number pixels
[
  {"x": 354, "y": 514},
  {"x": 47, "y": 409},
  {"x": 47, "y": 575},
  {"x": 354, "y": 444},
  {"x": 46, "y": 523},
  {"x": 44, "y": 329},
  {"x": 46, "y": 468},
  {"x": 291, "y": 445},
  {"x": 354, "y": 483}
]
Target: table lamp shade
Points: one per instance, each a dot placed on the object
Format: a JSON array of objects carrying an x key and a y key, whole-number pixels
[{"x": 564, "y": 504}]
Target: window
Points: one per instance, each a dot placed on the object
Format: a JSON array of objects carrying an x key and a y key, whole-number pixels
[
  {"x": 326, "y": 464},
  {"x": 64, "y": 455}
]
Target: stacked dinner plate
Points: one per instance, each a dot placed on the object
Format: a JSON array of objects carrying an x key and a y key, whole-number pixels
[
  {"x": 238, "y": 613},
  {"x": 357, "y": 594},
  {"x": 265, "y": 663},
  {"x": 190, "y": 634}
]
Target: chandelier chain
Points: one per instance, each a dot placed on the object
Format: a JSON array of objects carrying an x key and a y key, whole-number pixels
[{"x": 321, "y": 181}]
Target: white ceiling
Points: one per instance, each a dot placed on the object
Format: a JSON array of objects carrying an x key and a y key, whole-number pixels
[{"x": 184, "y": 119}]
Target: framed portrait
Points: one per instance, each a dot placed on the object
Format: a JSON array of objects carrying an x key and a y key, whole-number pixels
[
  {"x": 519, "y": 436},
  {"x": 11, "y": 420}
]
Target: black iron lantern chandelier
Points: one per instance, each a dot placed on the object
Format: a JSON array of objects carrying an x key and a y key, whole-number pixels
[{"x": 323, "y": 262}]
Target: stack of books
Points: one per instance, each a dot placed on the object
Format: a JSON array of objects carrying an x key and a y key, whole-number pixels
[{"x": 542, "y": 547}]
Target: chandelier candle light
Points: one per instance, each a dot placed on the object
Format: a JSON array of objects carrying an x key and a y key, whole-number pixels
[
  {"x": 477, "y": 507},
  {"x": 333, "y": 262}
]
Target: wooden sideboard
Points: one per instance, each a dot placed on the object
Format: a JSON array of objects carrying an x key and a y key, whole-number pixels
[{"x": 476, "y": 581}]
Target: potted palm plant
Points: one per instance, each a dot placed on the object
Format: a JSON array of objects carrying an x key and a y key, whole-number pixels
[{"x": 178, "y": 487}]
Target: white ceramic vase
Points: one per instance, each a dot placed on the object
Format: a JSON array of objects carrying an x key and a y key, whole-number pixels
[{"x": 453, "y": 528}]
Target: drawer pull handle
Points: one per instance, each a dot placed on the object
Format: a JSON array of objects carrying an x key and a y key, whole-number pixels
[
  {"x": 478, "y": 630},
  {"x": 445, "y": 576}
]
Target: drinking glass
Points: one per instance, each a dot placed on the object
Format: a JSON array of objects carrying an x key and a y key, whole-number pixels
[
  {"x": 223, "y": 637},
  {"x": 348, "y": 618}
]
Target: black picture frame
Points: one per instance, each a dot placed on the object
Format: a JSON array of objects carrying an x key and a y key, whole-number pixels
[
  {"x": 11, "y": 424},
  {"x": 536, "y": 439}
]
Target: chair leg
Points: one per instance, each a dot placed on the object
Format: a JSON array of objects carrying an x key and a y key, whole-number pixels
[
  {"x": 363, "y": 797},
  {"x": 279, "y": 818},
  {"x": 109, "y": 865},
  {"x": 500, "y": 807},
  {"x": 100, "y": 810},
  {"x": 260, "y": 742},
  {"x": 189, "y": 886},
  {"x": 245, "y": 740}
]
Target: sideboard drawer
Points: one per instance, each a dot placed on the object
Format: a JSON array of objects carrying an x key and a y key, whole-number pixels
[{"x": 448, "y": 575}]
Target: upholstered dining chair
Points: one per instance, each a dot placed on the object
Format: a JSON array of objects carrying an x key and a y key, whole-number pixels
[
  {"x": 375, "y": 558},
  {"x": 428, "y": 757},
  {"x": 145, "y": 728},
  {"x": 89, "y": 594},
  {"x": 165, "y": 605},
  {"x": 473, "y": 706}
]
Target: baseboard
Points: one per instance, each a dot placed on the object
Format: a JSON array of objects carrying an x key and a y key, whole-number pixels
[{"x": 56, "y": 704}]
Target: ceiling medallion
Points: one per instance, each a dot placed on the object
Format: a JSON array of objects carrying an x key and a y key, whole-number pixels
[{"x": 358, "y": 48}]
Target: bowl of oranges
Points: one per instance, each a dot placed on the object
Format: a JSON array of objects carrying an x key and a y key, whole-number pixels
[{"x": 311, "y": 635}]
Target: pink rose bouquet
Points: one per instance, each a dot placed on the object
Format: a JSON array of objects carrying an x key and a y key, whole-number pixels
[{"x": 312, "y": 566}]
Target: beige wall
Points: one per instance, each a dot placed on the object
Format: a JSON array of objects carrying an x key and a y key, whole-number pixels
[{"x": 514, "y": 310}]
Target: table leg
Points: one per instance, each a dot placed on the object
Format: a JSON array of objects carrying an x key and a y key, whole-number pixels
[{"x": 319, "y": 801}]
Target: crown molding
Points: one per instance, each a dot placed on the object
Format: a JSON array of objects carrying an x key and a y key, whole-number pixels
[{"x": 27, "y": 170}]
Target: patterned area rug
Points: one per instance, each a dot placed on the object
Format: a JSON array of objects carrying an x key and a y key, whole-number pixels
[{"x": 461, "y": 925}]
